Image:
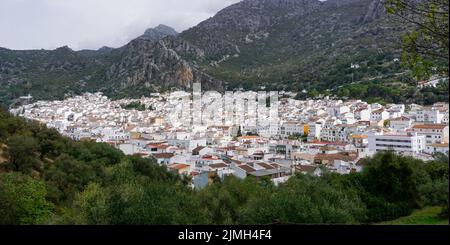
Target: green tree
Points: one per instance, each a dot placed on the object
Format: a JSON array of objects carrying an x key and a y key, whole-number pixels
[
  {"x": 425, "y": 50},
  {"x": 93, "y": 204},
  {"x": 393, "y": 177},
  {"x": 23, "y": 154},
  {"x": 306, "y": 200},
  {"x": 67, "y": 176},
  {"x": 22, "y": 200},
  {"x": 390, "y": 185}
]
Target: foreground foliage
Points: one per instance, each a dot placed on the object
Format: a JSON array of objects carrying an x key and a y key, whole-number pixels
[
  {"x": 425, "y": 216},
  {"x": 50, "y": 179}
]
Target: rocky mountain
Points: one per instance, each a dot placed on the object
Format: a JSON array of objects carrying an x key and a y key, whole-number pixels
[
  {"x": 298, "y": 45},
  {"x": 245, "y": 23},
  {"x": 158, "y": 33},
  {"x": 287, "y": 43},
  {"x": 147, "y": 65},
  {"x": 151, "y": 62}
]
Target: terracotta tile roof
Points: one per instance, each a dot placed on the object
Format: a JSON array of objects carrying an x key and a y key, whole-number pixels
[
  {"x": 209, "y": 157},
  {"x": 327, "y": 148},
  {"x": 275, "y": 165},
  {"x": 265, "y": 165},
  {"x": 236, "y": 161},
  {"x": 306, "y": 168},
  {"x": 319, "y": 142},
  {"x": 378, "y": 111},
  {"x": 199, "y": 148},
  {"x": 247, "y": 168},
  {"x": 154, "y": 145},
  {"x": 360, "y": 136},
  {"x": 218, "y": 165},
  {"x": 402, "y": 118},
  {"x": 193, "y": 173},
  {"x": 162, "y": 155},
  {"x": 430, "y": 126},
  {"x": 141, "y": 154},
  {"x": 228, "y": 148},
  {"x": 337, "y": 156},
  {"x": 178, "y": 166},
  {"x": 360, "y": 109}
]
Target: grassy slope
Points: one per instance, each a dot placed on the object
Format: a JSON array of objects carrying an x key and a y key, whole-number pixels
[{"x": 426, "y": 216}]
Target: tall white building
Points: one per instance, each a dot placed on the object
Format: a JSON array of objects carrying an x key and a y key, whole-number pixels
[
  {"x": 434, "y": 133},
  {"x": 400, "y": 143},
  {"x": 429, "y": 115},
  {"x": 315, "y": 128}
]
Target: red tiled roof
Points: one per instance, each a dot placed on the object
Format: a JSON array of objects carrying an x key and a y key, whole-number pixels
[
  {"x": 193, "y": 173},
  {"x": 265, "y": 165},
  {"x": 360, "y": 136},
  {"x": 247, "y": 168},
  {"x": 198, "y": 148},
  {"x": 378, "y": 111},
  {"x": 162, "y": 155},
  {"x": 162, "y": 146},
  {"x": 402, "y": 118},
  {"x": 337, "y": 156},
  {"x": 275, "y": 165},
  {"x": 218, "y": 165},
  {"x": 306, "y": 168},
  {"x": 141, "y": 154},
  {"x": 228, "y": 148},
  {"x": 430, "y": 126},
  {"x": 209, "y": 157},
  {"x": 178, "y": 166}
]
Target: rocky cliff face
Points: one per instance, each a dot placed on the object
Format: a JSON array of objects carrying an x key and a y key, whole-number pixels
[
  {"x": 280, "y": 44},
  {"x": 156, "y": 60},
  {"x": 375, "y": 11},
  {"x": 159, "y": 64},
  {"x": 158, "y": 33},
  {"x": 243, "y": 22}
]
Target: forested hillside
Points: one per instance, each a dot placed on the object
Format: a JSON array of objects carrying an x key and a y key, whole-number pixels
[{"x": 309, "y": 47}]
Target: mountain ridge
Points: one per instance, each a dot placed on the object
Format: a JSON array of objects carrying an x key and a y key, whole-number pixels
[
  {"x": 296, "y": 45},
  {"x": 159, "y": 32}
]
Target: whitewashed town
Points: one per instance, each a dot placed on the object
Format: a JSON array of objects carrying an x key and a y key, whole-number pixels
[{"x": 309, "y": 136}]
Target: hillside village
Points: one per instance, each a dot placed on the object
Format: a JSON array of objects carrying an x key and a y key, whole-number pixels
[{"x": 309, "y": 137}]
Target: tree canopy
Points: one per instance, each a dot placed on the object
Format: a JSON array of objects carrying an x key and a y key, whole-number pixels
[
  {"x": 425, "y": 49},
  {"x": 50, "y": 179}
]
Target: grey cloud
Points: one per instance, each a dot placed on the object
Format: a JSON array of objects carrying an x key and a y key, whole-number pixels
[{"x": 90, "y": 24}]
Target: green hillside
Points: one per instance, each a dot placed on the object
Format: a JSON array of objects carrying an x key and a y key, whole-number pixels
[
  {"x": 46, "y": 178},
  {"x": 425, "y": 216},
  {"x": 303, "y": 46}
]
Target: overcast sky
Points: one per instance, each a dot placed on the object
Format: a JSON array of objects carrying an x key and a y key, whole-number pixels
[{"x": 91, "y": 24}]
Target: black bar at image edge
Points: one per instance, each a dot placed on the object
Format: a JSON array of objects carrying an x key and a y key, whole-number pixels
[{"x": 224, "y": 234}]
